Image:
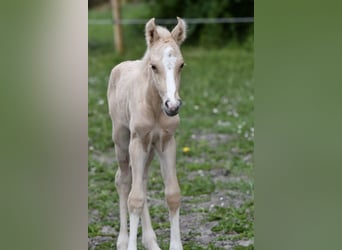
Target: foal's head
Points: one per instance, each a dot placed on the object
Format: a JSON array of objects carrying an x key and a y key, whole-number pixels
[{"x": 165, "y": 62}]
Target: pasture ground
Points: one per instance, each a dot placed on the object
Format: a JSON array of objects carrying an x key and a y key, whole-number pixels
[{"x": 217, "y": 126}]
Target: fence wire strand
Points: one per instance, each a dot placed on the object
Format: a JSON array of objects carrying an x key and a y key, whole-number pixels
[{"x": 173, "y": 21}]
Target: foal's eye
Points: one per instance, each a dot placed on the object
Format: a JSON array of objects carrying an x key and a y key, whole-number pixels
[
  {"x": 182, "y": 65},
  {"x": 153, "y": 67}
]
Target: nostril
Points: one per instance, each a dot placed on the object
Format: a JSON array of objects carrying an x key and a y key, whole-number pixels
[{"x": 167, "y": 103}]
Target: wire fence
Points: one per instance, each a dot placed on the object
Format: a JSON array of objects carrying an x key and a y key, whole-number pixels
[{"x": 173, "y": 21}]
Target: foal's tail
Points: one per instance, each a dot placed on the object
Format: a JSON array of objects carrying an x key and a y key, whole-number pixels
[
  {"x": 114, "y": 75},
  {"x": 111, "y": 83}
]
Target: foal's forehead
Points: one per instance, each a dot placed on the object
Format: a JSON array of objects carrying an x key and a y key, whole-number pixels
[{"x": 167, "y": 50}]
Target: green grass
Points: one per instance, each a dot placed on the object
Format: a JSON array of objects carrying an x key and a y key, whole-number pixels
[
  {"x": 233, "y": 220},
  {"x": 216, "y": 124}
]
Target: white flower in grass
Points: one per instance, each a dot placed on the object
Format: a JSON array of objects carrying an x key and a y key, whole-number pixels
[
  {"x": 92, "y": 80},
  {"x": 211, "y": 207},
  {"x": 100, "y": 102},
  {"x": 225, "y": 100},
  {"x": 215, "y": 110},
  {"x": 92, "y": 170},
  {"x": 252, "y": 132},
  {"x": 223, "y": 123}
]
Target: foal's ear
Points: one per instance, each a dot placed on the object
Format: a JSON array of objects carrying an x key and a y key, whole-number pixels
[
  {"x": 179, "y": 32},
  {"x": 151, "y": 34}
]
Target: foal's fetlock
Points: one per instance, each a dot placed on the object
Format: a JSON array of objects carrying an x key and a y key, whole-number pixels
[
  {"x": 149, "y": 240},
  {"x": 151, "y": 245},
  {"x": 176, "y": 246}
]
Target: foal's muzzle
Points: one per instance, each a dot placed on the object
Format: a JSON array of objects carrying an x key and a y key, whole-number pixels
[{"x": 172, "y": 109}]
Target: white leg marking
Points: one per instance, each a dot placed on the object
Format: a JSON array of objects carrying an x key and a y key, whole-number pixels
[
  {"x": 168, "y": 168},
  {"x": 133, "y": 231},
  {"x": 175, "y": 240},
  {"x": 122, "y": 241},
  {"x": 122, "y": 182},
  {"x": 149, "y": 238}
]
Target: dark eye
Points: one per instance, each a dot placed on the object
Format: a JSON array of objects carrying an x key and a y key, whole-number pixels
[
  {"x": 182, "y": 65},
  {"x": 153, "y": 67}
]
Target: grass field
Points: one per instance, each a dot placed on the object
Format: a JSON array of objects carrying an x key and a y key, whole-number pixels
[{"x": 215, "y": 172}]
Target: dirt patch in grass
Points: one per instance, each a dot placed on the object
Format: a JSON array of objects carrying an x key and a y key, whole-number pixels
[{"x": 213, "y": 139}]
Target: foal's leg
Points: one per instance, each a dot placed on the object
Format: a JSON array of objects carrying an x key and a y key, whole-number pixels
[
  {"x": 137, "y": 196},
  {"x": 172, "y": 191},
  {"x": 149, "y": 238},
  {"x": 123, "y": 180}
]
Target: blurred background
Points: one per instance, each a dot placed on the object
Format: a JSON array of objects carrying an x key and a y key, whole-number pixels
[
  {"x": 213, "y": 34},
  {"x": 45, "y": 141},
  {"x": 216, "y": 137}
]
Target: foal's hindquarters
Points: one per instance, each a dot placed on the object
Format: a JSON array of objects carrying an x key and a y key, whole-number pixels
[{"x": 143, "y": 104}]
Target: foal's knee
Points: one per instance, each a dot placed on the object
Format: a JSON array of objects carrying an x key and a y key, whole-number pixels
[
  {"x": 136, "y": 202},
  {"x": 173, "y": 199}
]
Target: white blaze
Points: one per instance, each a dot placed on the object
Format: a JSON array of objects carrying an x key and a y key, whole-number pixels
[{"x": 169, "y": 62}]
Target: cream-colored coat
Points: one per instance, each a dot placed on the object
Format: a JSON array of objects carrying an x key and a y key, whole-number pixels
[{"x": 143, "y": 104}]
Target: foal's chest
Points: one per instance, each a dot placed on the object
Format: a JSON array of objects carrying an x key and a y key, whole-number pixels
[{"x": 156, "y": 135}]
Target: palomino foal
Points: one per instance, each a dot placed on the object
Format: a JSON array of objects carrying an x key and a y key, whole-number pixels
[{"x": 143, "y": 104}]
